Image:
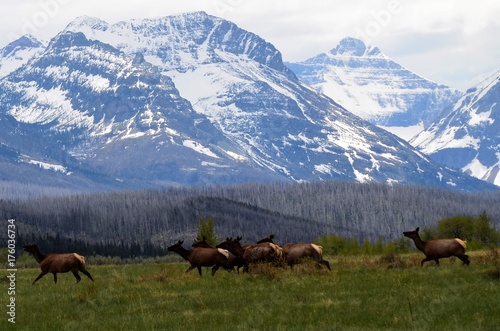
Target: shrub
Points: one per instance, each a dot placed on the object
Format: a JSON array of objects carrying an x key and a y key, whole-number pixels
[{"x": 478, "y": 231}]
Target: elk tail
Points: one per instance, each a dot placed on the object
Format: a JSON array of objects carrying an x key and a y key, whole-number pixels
[
  {"x": 224, "y": 252},
  {"x": 318, "y": 249},
  {"x": 462, "y": 242},
  {"x": 81, "y": 259}
]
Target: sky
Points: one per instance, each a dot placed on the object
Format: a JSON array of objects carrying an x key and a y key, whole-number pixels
[{"x": 452, "y": 42}]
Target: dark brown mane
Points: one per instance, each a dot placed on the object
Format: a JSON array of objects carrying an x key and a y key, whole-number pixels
[{"x": 268, "y": 239}]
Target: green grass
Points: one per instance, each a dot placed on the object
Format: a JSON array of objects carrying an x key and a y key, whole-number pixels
[{"x": 360, "y": 293}]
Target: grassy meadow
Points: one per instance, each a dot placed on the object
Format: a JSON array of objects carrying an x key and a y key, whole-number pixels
[{"x": 360, "y": 293}]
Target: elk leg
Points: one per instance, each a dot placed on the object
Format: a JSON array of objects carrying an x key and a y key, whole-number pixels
[
  {"x": 464, "y": 258},
  {"x": 425, "y": 260},
  {"x": 190, "y": 268},
  {"x": 214, "y": 269},
  {"x": 199, "y": 270},
  {"x": 77, "y": 276},
  {"x": 326, "y": 263},
  {"x": 86, "y": 273},
  {"x": 39, "y": 276},
  {"x": 55, "y": 277}
]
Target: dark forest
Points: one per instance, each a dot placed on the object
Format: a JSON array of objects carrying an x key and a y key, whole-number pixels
[{"x": 144, "y": 223}]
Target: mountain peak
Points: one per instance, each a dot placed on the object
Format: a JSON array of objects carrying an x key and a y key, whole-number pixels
[
  {"x": 26, "y": 41},
  {"x": 350, "y": 46},
  {"x": 88, "y": 21}
]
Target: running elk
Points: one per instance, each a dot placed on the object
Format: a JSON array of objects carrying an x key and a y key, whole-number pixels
[
  {"x": 295, "y": 253},
  {"x": 202, "y": 257},
  {"x": 263, "y": 252},
  {"x": 438, "y": 248},
  {"x": 236, "y": 251},
  {"x": 58, "y": 263}
]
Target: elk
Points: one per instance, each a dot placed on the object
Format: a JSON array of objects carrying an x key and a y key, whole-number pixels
[
  {"x": 295, "y": 253},
  {"x": 263, "y": 252},
  {"x": 439, "y": 248},
  {"x": 202, "y": 243},
  {"x": 268, "y": 239},
  {"x": 234, "y": 247},
  {"x": 58, "y": 263},
  {"x": 202, "y": 257}
]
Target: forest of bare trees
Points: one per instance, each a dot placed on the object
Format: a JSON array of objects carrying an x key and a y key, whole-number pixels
[{"x": 144, "y": 223}]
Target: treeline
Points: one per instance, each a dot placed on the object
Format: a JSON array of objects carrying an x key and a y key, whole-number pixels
[
  {"x": 146, "y": 222},
  {"x": 112, "y": 248}
]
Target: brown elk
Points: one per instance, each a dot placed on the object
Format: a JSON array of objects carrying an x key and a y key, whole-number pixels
[
  {"x": 295, "y": 253},
  {"x": 234, "y": 247},
  {"x": 263, "y": 252},
  {"x": 58, "y": 263},
  {"x": 439, "y": 248},
  {"x": 268, "y": 239},
  {"x": 202, "y": 243},
  {"x": 202, "y": 257}
]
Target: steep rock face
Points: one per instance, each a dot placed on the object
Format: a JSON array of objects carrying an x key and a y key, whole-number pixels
[
  {"x": 469, "y": 137},
  {"x": 371, "y": 85},
  {"x": 193, "y": 99}
]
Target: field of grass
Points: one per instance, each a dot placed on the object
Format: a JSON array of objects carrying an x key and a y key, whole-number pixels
[{"x": 360, "y": 293}]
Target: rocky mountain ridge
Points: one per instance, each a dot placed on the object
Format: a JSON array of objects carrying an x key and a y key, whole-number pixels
[{"x": 190, "y": 99}]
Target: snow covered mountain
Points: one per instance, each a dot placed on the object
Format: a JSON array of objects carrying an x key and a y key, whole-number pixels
[
  {"x": 17, "y": 53},
  {"x": 193, "y": 99},
  {"x": 371, "y": 85},
  {"x": 469, "y": 137}
]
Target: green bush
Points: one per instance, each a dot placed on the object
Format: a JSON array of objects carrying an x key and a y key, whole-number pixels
[{"x": 479, "y": 232}]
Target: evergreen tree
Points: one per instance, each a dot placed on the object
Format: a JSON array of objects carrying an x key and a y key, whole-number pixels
[{"x": 206, "y": 231}]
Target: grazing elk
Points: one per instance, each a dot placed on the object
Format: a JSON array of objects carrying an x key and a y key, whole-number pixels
[
  {"x": 295, "y": 253},
  {"x": 439, "y": 248},
  {"x": 202, "y": 257},
  {"x": 58, "y": 263}
]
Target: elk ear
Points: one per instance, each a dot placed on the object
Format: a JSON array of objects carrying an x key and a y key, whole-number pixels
[
  {"x": 417, "y": 229},
  {"x": 180, "y": 242}
]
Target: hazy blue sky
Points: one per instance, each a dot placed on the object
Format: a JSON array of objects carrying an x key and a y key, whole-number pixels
[{"x": 453, "y": 42}]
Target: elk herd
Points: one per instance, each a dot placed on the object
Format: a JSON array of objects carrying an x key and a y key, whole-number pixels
[{"x": 230, "y": 254}]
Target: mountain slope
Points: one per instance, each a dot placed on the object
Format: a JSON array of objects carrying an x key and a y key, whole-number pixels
[
  {"x": 193, "y": 99},
  {"x": 468, "y": 138},
  {"x": 371, "y": 85}
]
